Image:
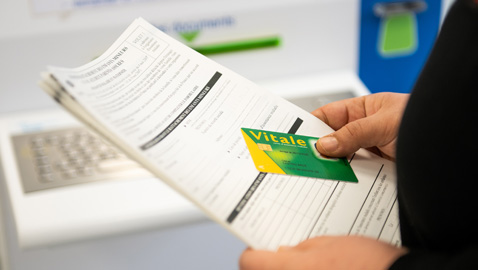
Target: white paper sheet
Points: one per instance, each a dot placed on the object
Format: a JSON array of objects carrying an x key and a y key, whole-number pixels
[{"x": 180, "y": 115}]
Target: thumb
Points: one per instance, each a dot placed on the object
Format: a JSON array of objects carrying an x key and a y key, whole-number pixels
[{"x": 349, "y": 138}]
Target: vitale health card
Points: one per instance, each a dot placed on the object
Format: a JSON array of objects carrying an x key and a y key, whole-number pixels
[{"x": 283, "y": 153}]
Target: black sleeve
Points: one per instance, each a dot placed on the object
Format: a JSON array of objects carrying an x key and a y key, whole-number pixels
[
  {"x": 420, "y": 260},
  {"x": 437, "y": 151}
]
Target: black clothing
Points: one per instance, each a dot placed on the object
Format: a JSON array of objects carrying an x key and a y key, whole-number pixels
[{"x": 437, "y": 151}]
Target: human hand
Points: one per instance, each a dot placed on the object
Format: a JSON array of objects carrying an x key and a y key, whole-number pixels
[
  {"x": 370, "y": 121},
  {"x": 326, "y": 252}
]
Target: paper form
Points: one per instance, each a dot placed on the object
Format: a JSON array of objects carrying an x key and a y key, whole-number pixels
[{"x": 180, "y": 115}]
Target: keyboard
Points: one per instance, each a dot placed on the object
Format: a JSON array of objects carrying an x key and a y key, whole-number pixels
[{"x": 57, "y": 158}]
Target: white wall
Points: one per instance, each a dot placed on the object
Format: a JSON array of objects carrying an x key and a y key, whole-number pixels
[{"x": 317, "y": 36}]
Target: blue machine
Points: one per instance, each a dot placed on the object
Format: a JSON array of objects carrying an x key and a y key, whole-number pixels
[{"x": 395, "y": 40}]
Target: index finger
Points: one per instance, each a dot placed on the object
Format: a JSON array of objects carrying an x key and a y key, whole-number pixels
[{"x": 337, "y": 114}]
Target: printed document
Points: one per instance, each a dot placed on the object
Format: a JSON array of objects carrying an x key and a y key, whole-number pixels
[{"x": 180, "y": 115}]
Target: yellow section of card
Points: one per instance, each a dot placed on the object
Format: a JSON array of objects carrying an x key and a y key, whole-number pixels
[{"x": 262, "y": 161}]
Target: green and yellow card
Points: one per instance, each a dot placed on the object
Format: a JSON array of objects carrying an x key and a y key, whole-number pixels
[{"x": 283, "y": 153}]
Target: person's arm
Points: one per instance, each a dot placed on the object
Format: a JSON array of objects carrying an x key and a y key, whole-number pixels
[{"x": 437, "y": 199}]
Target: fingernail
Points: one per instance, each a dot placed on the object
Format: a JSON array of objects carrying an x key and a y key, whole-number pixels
[{"x": 330, "y": 144}]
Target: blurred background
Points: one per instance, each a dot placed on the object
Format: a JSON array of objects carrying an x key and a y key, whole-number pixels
[{"x": 308, "y": 51}]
